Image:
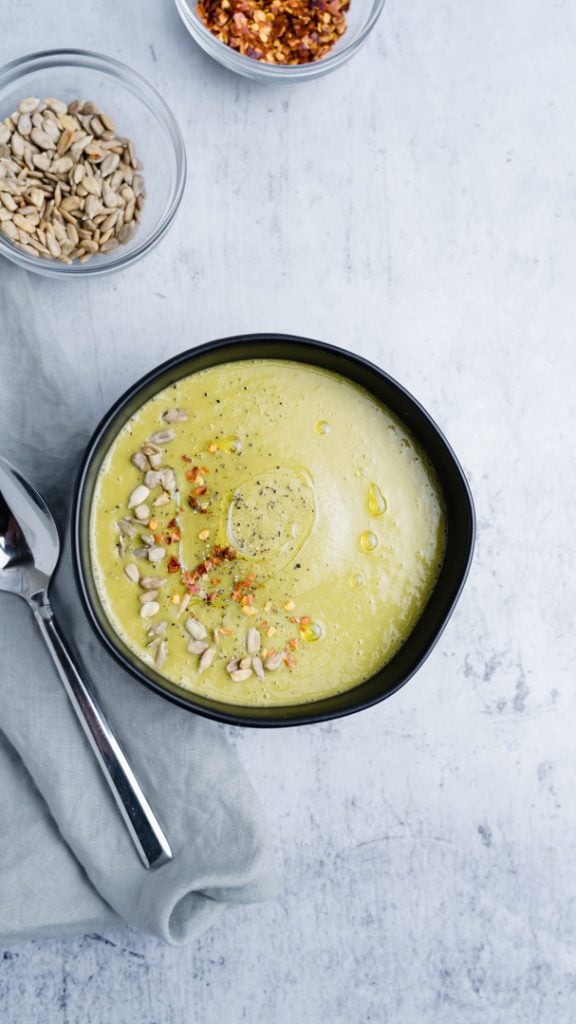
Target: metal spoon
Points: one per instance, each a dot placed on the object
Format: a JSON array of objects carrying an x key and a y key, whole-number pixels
[{"x": 29, "y": 552}]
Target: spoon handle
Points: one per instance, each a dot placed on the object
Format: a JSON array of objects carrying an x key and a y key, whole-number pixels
[{"x": 142, "y": 824}]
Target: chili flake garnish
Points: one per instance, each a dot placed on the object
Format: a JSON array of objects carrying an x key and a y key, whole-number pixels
[
  {"x": 276, "y": 31},
  {"x": 173, "y": 565},
  {"x": 196, "y": 506},
  {"x": 218, "y": 555}
]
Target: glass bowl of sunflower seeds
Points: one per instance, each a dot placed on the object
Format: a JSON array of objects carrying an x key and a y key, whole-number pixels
[{"x": 92, "y": 164}]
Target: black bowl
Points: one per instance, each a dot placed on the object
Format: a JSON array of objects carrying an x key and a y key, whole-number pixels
[{"x": 459, "y": 516}]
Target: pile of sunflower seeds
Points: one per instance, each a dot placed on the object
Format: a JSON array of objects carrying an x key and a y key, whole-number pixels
[{"x": 70, "y": 186}]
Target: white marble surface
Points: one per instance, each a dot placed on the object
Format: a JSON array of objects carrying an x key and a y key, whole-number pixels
[{"x": 417, "y": 207}]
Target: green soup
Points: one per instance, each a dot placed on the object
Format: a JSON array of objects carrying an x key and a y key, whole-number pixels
[{"x": 265, "y": 533}]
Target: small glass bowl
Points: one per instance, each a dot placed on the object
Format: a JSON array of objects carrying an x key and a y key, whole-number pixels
[
  {"x": 361, "y": 19},
  {"x": 140, "y": 114}
]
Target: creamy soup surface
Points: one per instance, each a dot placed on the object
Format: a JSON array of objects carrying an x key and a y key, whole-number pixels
[{"x": 265, "y": 533}]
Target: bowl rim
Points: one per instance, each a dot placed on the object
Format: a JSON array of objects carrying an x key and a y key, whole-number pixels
[
  {"x": 278, "y": 716},
  {"x": 260, "y": 70},
  {"x": 145, "y": 91}
]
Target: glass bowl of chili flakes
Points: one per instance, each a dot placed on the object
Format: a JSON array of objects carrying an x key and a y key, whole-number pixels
[{"x": 280, "y": 39}]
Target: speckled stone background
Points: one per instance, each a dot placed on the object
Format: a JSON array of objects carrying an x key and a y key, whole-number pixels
[{"x": 417, "y": 207}]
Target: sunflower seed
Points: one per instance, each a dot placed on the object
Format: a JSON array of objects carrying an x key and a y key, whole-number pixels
[
  {"x": 8, "y": 201},
  {"x": 175, "y": 416},
  {"x": 139, "y": 494},
  {"x": 147, "y": 596},
  {"x": 241, "y": 675},
  {"x": 53, "y": 245},
  {"x": 258, "y": 668},
  {"x": 140, "y": 553},
  {"x": 169, "y": 480},
  {"x": 28, "y": 104},
  {"x": 24, "y": 224},
  {"x": 158, "y": 629},
  {"x": 273, "y": 662},
  {"x": 92, "y": 206},
  {"x": 162, "y": 499},
  {"x": 110, "y": 245},
  {"x": 126, "y": 528},
  {"x": 156, "y": 554},
  {"x": 151, "y": 582},
  {"x": 161, "y": 655},
  {"x": 196, "y": 629},
  {"x": 233, "y": 665},
  {"x": 131, "y": 571},
  {"x": 147, "y": 611},
  {"x": 140, "y": 461},
  {"x": 153, "y": 479},
  {"x": 41, "y": 139},
  {"x": 24, "y": 124},
  {"x": 197, "y": 647},
  {"x": 62, "y": 165},
  {"x": 183, "y": 605},
  {"x": 109, "y": 196},
  {"x": 142, "y": 512},
  {"x": 206, "y": 659},
  {"x": 64, "y": 142},
  {"x": 162, "y": 436},
  {"x": 244, "y": 662},
  {"x": 58, "y": 106},
  {"x": 253, "y": 641}
]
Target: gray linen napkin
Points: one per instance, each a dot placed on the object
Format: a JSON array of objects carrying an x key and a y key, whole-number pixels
[{"x": 67, "y": 863}]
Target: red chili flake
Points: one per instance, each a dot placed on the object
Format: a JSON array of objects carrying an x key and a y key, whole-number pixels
[
  {"x": 293, "y": 643},
  {"x": 289, "y": 661},
  {"x": 173, "y": 564},
  {"x": 172, "y": 524},
  {"x": 211, "y": 597},
  {"x": 305, "y": 620},
  {"x": 198, "y": 491},
  {"x": 293, "y": 618},
  {"x": 227, "y": 553},
  {"x": 191, "y": 474},
  {"x": 186, "y": 458},
  {"x": 204, "y": 469}
]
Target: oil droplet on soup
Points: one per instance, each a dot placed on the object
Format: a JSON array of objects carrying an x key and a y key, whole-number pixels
[
  {"x": 377, "y": 503},
  {"x": 357, "y": 580},
  {"x": 322, "y": 427},
  {"x": 312, "y": 632},
  {"x": 369, "y": 541}
]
